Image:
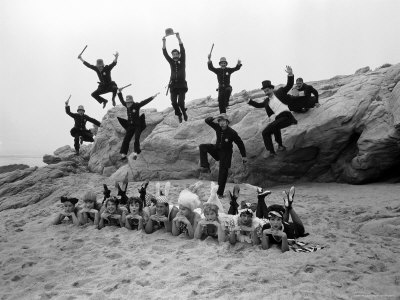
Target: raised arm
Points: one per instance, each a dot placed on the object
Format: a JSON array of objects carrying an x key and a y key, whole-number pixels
[
  {"x": 68, "y": 111},
  {"x": 238, "y": 66},
  {"x": 164, "y": 50},
  {"x": 146, "y": 101},
  {"x": 290, "y": 80},
  {"x": 211, "y": 66},
  {"x": 210, "y": 122},
  {"x": 121, "y": 98},
  {"x": 114, "y": 63},
  {"x": 181, "y": 48}
]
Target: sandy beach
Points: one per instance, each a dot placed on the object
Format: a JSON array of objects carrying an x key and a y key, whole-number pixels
[{"x": 358, "y": 225}]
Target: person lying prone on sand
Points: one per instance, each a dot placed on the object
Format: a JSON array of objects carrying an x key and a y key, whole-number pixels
[
  {"x": 244, "y": 228},
  {"x": 186, "y": 219},
  {"x": 111, "y": 216},
  {"x": 90, "y": 213},
  {"x": 279, "y": 229},
  {"x": 164, "y": 213},
  {"x": 136, "y": 217},
  {"x": 70, "y": 211},
  {"x": 210, "y": 225}
]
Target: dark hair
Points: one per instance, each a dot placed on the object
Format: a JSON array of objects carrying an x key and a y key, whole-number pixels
[
  {"x": 133, "y": 200},
  {"x": 112, "y": 200},
  {"x": 276, "y": 207},
  {"x": 299, "y": 79},
  {"x": 247, "y": 212},
  {"x": 175, "y": 50}
]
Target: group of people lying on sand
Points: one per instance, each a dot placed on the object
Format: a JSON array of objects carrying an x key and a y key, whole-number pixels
[{"x": 253, "y": 223}]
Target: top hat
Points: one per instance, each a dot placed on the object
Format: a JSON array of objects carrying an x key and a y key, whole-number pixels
[
  {"x": 267, "y": 84},
  {"x": 80, "y": 107},
  {"x": 222, "y": 59},
  {"x": 169, "y": 31}
]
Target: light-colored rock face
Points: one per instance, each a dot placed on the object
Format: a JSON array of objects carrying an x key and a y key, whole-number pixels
[{"x": 351, "y": 137}]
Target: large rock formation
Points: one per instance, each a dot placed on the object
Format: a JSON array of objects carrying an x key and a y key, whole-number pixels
[{"x": 352, "y": 137}]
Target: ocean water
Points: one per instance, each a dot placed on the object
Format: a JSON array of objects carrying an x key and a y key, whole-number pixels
[{"x": 30, "y": 160}]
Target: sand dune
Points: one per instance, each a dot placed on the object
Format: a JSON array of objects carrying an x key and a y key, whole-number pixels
[{"x": 359, "y": 225}]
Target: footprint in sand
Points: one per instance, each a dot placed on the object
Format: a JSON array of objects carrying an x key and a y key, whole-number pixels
[
  {"x": 113, "y": 256},
  {"x": 28, "y": 264}
]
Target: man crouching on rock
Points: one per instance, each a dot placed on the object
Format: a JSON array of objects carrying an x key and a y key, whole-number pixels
[{"x": 222, "y": 150}]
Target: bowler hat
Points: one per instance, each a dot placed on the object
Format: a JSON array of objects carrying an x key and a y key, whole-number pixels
[
  {"x": 267, "y": 84},
  {"x": 80, "y": 107},
  {"x": 222, "y": 59},
  {"x": 223, "y": 116},
  {"x": 169, "y": 31}
]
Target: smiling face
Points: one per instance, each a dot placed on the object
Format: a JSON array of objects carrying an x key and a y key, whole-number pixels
[
  {"x": 223, "y": 64},
  {"x": 268, "y": 91},
  {"x": 111, "y": 207},
  {"x": 223, "y": 123},
  {"x": 246, "y": 219},
  {"x": 299, "y": 83},
  {"x": 276, "y": 222},
  {"x": 88, "y": 204},
  {"x": 68, "y": 207},
  {"x": 161, "y": 209}
]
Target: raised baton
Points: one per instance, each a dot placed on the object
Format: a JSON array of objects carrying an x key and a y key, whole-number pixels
[
  {"x": 125, "y": 86},
  {"x": 212, "y": 47},
  {"x": 82, "y": 51}
]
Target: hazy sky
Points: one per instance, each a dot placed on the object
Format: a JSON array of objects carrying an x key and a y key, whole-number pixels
[{"x": 40, "y": 41}]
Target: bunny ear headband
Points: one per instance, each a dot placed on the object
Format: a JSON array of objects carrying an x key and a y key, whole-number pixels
[{"x": 72, "y": 200}]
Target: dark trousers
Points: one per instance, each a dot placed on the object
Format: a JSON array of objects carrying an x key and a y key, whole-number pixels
[
  {"x": 104, "y": 89},
  {"x": 282, "y": 120},
  {"x": 87, "y": 136},
  {"x": 224, "y": 159},
  {"x": 130, "y": 131},
  {"x": 301, "y": 103},
  {"x": 178, "y": 100},
  {"x": 224, "y": 93}
]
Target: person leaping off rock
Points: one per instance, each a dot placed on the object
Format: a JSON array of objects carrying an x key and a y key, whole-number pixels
[
  {"x": 134, "y": 125},
  {"x": 278, "y": 112},
  {"x": 106, "y": 85},
  {"x": 79, "y": 131},
  {"x": 177, "y": 84},
  {"x": 224, "y": 81}
]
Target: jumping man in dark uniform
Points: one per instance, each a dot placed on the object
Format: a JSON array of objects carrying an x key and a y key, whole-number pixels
[
  {"x": 222, "y": 150},
  {"x": 106, "y": 85},
  {"x": 134, "y": 125},
  {"x": 177, "y": 84},
  {"x": 224, "y": 79},
  {"x": 79, "y": 129},
  {"x": 278, "y": 112}
]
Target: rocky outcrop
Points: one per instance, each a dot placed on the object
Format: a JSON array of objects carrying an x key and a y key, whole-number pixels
[
  {"x": 66, "y": 153},
  {"x": 352, "y": 137},
  {"x": 10, "y": 168}
]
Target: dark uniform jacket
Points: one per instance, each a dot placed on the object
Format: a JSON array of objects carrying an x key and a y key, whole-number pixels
[
  {"x": 105, "y": 75},
  {"x": 178, "y": 69},
  {"x": 308, "y": 90},
  {"x": 223, "y": 75},
  {"x": 133, "y": 113},
  {"x": 282, "y": 96},
  {"x": 80, "y": 121},
  {"x": 226, "y": 137}
]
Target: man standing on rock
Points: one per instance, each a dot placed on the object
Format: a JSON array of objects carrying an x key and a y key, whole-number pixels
[
  {"x": 106, "y": 85},
  {"x": 79, "y": 132},
  {"x": 177, "y": 83},
  {"x": 302, "y": 100},
  {"x": 222, "y": 150},
  {"x": 134, "y": 125},
  {"x": 224, "y": 81},
  {"x": 277, "y": 110}
]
